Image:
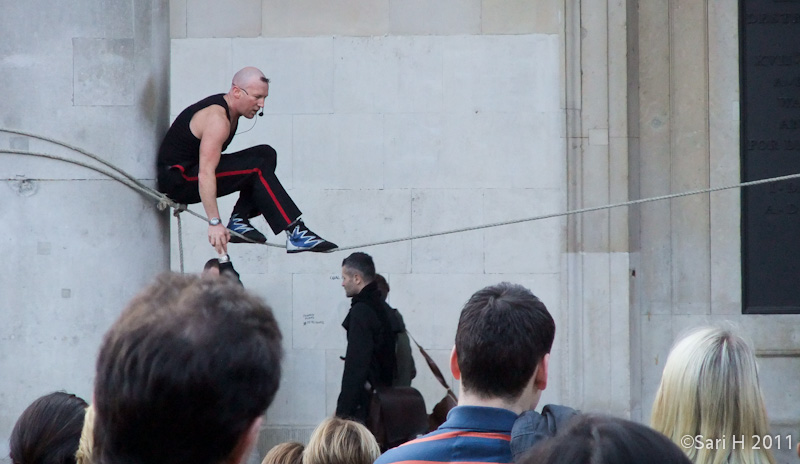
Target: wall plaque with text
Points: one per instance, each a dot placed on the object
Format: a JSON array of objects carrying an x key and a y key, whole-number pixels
[{"x": 769, "y": 36}]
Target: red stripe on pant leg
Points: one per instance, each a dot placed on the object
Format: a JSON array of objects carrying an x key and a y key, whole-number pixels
[
  {"x": 182, "y": 169},
  {"x": 247, "y": 171},
  {"x": 274, "y": 199},
  {"x": 220, "y": 174}
]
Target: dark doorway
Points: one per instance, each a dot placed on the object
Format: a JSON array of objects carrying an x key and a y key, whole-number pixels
[{"x": 769, "y": 36}]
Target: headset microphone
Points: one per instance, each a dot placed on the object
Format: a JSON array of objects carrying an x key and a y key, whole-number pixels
[{"x": 262, "y": 112}]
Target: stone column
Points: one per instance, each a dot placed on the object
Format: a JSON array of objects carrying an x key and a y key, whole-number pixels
[
  {"x": 597, "y": 261},
  {"x": 76, "y": 245}
]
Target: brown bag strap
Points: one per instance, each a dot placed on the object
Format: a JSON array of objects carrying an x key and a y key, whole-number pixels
[{"x": 434, "y": 368}]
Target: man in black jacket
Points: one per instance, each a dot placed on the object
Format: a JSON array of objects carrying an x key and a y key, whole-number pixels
[{"x": 370, "y": 359}]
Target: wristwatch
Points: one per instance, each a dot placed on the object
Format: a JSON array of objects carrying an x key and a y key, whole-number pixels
[{"x": 214, "y": 221}]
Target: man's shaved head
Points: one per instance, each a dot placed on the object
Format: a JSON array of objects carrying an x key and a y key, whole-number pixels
[{"x": 247, "y": 76}]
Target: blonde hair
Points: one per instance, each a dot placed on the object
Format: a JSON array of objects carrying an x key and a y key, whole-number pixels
[
  {"x": 285, "y": 453},
  {"x": 710, "y": 390},
  {"x": 341, "y": 441},
  {"x": 86, "y": 443}
]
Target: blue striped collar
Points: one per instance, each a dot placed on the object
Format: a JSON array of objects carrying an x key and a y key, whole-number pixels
[{"x": 479, "y": 419}]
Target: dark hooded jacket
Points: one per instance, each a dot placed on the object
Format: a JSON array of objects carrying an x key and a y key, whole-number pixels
[{"x": 370, "y": 356}]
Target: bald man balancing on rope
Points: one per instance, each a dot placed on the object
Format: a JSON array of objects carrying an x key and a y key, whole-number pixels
[{"x": 192, "y": 169}]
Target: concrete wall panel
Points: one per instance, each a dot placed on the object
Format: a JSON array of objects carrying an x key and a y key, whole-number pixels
[
  {"x": 277, "y": 293},
  {"x": 596, "y": 323},
  {"x": 501, "y": 73},
  {"x": 300, "y": 72},
  {"x": 595, "y": 233},
  {"x": 298, "y": 400},
  {"x": 530, "y": 247},
  {"x": 595, "y": 66},
  {"x": 654, "y": 158},
  {"x": 338, "y": 151},
  {"x": 622, "y": 379},
  {"x": 38, "y": 19},
  {"x": 317, "y": 316},
  {"x": 388, "y": 74},
  {"x": 723, "y": 59},
  {"x": 55, "y": 317},
  {"x": 334, "y": 367},
  {"x": 299, "y": 18},
  {"x": 47, "y": 114},
  {"x": 430, "y": 314},
  {"x": 689, "y": 100},
  {"x": 657, "y": 339},
  {"x": 177, "y": 18},
  {"x": 512, "y": 150},
  {"x": 103, "y": 73},
  {"x": 776, "y": 396},
  {"x": 618, "y": 192},
  {"x": 521, "y": 17},
  {"x": 413, "y": 148},
  {"x": 442, "y": 210},
  {"x": 199, "y": 68},
  {"x": 208, "y": 18},
  {"x": 500, "y": 150},
  {"x": 444, "y": 17}
]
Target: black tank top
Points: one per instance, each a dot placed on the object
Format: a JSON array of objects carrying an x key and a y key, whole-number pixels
[{"x": 180, "y": 146}]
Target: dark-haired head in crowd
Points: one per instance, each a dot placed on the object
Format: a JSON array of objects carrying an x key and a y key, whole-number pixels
[
  {"x": 185, "y": 374},
  {"x": 592, "y": 439},
  {"x": 48, "y": 431},
  {"x": 383, "y": 286},
  {"x": 214, "y": 268},
  {"x": 405, "y": 370},
  {"x": 501, "y": 354}
]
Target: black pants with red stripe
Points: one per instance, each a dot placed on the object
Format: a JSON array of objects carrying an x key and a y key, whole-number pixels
[{"x": 250, "y": 172}]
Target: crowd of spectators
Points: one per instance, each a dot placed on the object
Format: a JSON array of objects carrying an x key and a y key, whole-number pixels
[{"x": 188, "y": 370}]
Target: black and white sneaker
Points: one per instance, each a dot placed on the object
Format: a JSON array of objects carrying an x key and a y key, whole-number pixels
[
  {"x": 243, "y": 226},
  {"x": 300, "y": 238}
]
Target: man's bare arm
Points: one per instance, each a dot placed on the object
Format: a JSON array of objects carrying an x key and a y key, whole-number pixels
[{"x": 212, "y": 127}]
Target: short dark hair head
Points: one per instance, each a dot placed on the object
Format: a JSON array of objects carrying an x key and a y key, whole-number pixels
[
  {"x": 49, "y": 430},
  {"x": 503, "y": 333},
  {"x": 212, "y": 263},
  {"x": 184, "y": 372},
  {"x": 362, "y": 263},
  {"x": 596, "y": 439},
  {"x": 383, "y": 286}
]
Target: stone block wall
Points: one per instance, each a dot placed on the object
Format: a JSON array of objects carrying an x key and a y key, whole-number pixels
[{"x": 390, "y": 119}]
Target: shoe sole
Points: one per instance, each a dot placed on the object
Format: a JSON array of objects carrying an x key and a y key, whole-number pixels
[{"x": 312, "y": 250}]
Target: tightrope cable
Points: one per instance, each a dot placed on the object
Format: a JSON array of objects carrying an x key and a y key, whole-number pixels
[
  {"x": 78, "y": 150},
  {"x": 582, "y": 210},
  {"x": 164, "y": 202}
]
